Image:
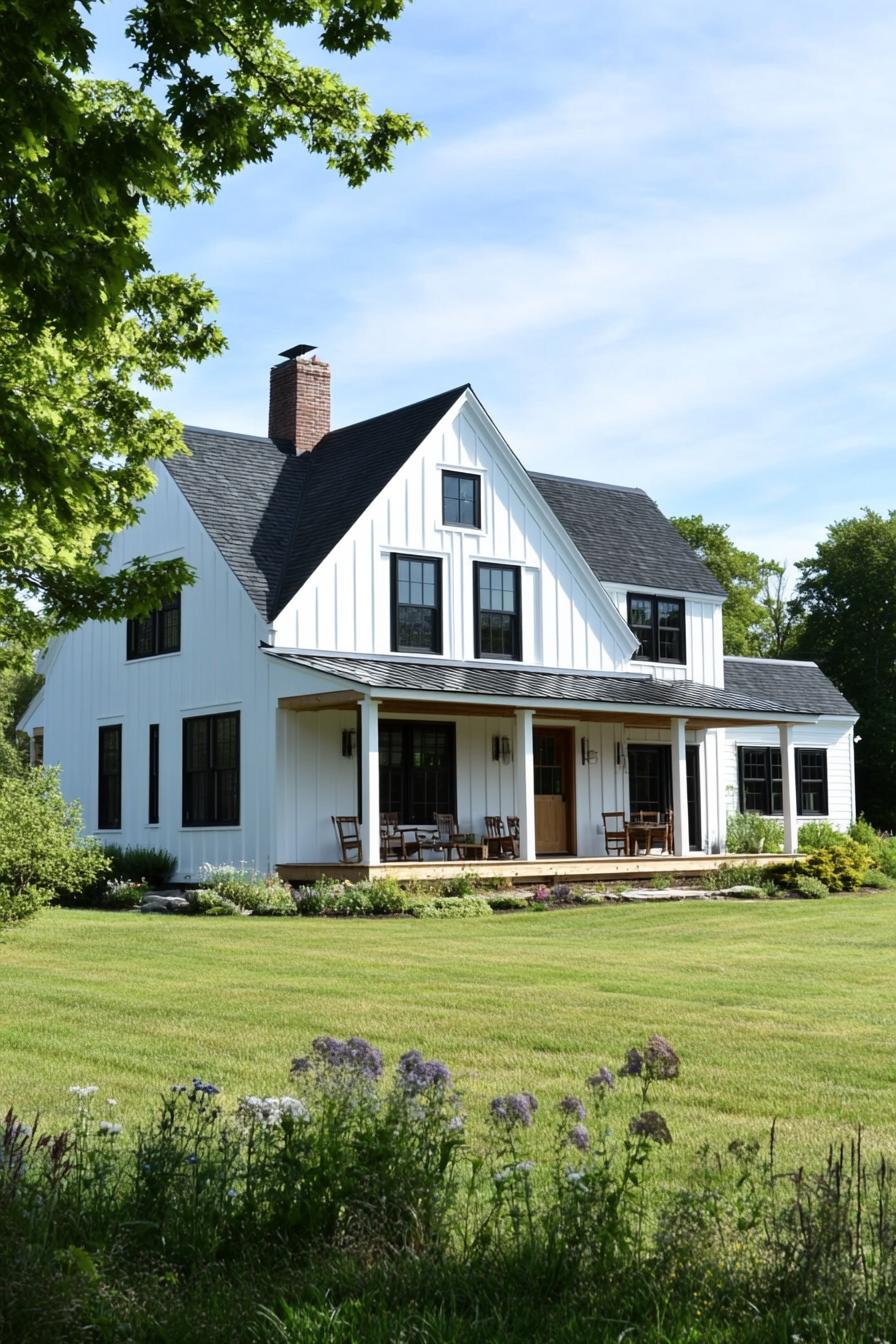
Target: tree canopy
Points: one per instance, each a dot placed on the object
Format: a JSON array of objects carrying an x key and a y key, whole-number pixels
[
  {"x": 747, "y": 615},
  {"x": 847, "y": 594},
  {"x": 89, "y": 331}
]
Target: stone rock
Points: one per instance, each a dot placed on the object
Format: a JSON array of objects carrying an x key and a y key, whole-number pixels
[{"x": 161, "y": 903}]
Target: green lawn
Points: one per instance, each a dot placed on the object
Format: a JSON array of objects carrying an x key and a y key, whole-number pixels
[{"x": 783, "y": 1009}]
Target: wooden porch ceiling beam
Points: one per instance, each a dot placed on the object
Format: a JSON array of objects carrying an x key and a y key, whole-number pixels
[{"x": 321, "y": 700}]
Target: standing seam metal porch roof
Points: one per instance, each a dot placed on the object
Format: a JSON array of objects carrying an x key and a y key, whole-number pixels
[{"x": 526, "y": 683}]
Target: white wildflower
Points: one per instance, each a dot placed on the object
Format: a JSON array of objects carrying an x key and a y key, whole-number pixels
[
  {"x": 110, "y": 1101},
  {"x": 575, "y": 1176},
  {"x": 455, "y": 1123},
  {"x": 82, "y": 1092},
  {"x": 107, "y": 1127}
]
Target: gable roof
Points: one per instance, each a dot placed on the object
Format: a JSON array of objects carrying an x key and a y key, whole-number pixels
[
  {"x": 273, "y": 515},
  {"x": 794, "y": 685},
  {"x": 624, "y": 537},
  {"x": 534, "y": 683}
]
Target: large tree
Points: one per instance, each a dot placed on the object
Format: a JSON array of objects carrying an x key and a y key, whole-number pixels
[
  {"x": 89, "y": 331},
  {"x": 847, "y": 592},
  {"x": 748, "y": 614}
]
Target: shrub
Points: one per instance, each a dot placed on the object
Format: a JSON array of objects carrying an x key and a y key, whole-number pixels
[
  {"x": 740, "y": 875},
  {"x": 257, "y": 893},
  {"x": 818, "y": 835},
  {"x": 749, "y": 833},
  {"x": 840, "y": 867},
  {"x": 205, "y": 901},
  {"x": 150, "y": 867},
  {"x": 450, "y": 907},
  {"x": 882, "y": 848},
  {"x": 384, "y": 896},
  {"x": 462, "y": 885},
  {"x": 875, "y": 878},
  {"x": 660, "y": 882},
  {"x": 507, "y": 901},
  {"x": 43, "y": 853},
  {"x": 810, "y": 887},
  {"x": 120, "y": 895},
  {"x": 314, "y": 900}
]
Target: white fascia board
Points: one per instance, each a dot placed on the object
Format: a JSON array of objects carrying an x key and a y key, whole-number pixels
[
  {"x": 552, "y": 525},
  {"x": 650, "y": 589}
]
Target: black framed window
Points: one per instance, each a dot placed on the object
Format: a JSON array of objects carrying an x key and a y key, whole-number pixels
[
  {"x": 158, "y": 632},
  {"x": 416, "y": 605},
  {"x": 211, "y": 770},
  {"x": 109, "y": 793},
  {"x": 461, "y": 505},
  {"x": 497, "y": 611},
  {"x": 761, "y": 781},
  {"x": 417, "y": 771},
  {"x": 811, "y": 782},
  {"x": 658, "y": 623},
  {"x": 153, "y": 808}
]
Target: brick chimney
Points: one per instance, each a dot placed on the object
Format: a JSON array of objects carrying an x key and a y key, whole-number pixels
[{"x": 299, "y": 407}]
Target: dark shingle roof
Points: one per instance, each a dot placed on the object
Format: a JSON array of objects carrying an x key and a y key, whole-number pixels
[
  {"x": 792, "y": 684},
  {"x": 275, "y": 516},
  {"x": 624, "y": 537},
  {"x": 535, "y": 684}
]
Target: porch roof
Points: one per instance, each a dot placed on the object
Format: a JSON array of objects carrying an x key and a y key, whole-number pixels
[{"x": 528, "y": 684}]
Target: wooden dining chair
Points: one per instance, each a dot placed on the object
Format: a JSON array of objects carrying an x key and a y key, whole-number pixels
[
  {"x": 439, "y": 838},
  {"x": 348, "y": 833},
  {"x": 500, "y": 845},
  {"x": 513, "y": 830},
  {"x": 393, "y": 842},
  {"x": 645, "y": 818},
  {"x": 670, "y": 831},
  {"x": 614, "y": 832}
]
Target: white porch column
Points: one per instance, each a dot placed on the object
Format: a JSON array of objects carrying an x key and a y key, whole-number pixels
[
  {"x": 681, "y": 827},
  {"x": 369, "y": 747},
  {"x": 524, "y": 781},
  {"x": 788, "y": 787}
]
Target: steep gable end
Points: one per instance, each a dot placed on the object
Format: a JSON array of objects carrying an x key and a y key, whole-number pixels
[{"x": 624, "y": 537}]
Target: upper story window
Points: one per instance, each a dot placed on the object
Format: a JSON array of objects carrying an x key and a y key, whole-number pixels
[
  {"x": 159, "y": 632},
  {"x": 416, "y": 605},
  {"x": 461, "y": 499},
  {"x": 761, "y": 784},
  {"x": 659, "y": 624},
  {"x": 497, "y": 603},
  {"x": 211, "y": 770}
]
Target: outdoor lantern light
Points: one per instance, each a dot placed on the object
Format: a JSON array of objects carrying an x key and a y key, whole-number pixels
[
  {"x": 588, "y": 756},
  {"x": 349, "y": 738},
  {"x": 619, "y": 753},
  {"x": 501, "y": 749}
]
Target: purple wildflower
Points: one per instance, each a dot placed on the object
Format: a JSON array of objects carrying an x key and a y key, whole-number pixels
[
  {"x": 355, "y": 1056},
  {"x": 572, "y": 1106},
  {"x": 415, "y": 1074},
  {"x": 578, "y": 1137},
  {"x": 205, "y": 1089},
  {"x": 542, "y": 895},
  {"x": 604, "y": 1078},
  {"x": 301, "y": 1064},
  {"x": 516, "y": 1108},
  {"x": 660, "y": 1059},
  {"x": 650, "y": 1125},
  {"x": 633, "y": 1066}
]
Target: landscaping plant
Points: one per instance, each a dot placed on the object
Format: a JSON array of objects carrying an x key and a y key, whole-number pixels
[{"x": 749, "y": 833}]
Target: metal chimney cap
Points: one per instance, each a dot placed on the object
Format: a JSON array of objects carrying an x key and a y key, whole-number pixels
[{"x": 296, "y": 350}]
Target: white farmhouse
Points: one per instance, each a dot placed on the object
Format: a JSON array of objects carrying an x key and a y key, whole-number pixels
[{"x": 397, "y": 618}]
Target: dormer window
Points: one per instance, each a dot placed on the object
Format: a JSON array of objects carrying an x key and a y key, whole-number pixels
[
  {"x": 461, "y": 500},
  {"x": 159, "y": 632},
  {"x": 658, "y": 623}
]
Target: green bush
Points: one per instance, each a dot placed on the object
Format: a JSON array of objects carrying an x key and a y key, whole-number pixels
[
  {"x": 258, "y": 893},
  {"x": 43, "y": 852},
  {"x": 205, "y": 901},
  {"x": 818, "y": 835},
  {"x": 315, "y": 899},
  {"x": 462, "y": 885},
  {"x": 882, "y": 848},
  {"x": 507, "y": 901},
  {"x": 840, "y": 867},
  {"x": 810, "y": 887},
  {"x": 660, "y": 882},
  {"x": 150, "y": 867},
  {"x": 450, "y": 907},
  {"x": 384, "y": 896},
  {"x": 875, "y": 878},
  {"x": 740, "y": 875},
  {"x": 749, "y": 833},
  {"x": 120, "y": 895}
]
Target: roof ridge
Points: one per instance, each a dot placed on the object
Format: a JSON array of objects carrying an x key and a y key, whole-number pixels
[
  {"x": 786, "y": 662},
  {"x": 228, "y": 433},
  {"x": 579, "y": 480},
  {"x": 396, "y": 410}
]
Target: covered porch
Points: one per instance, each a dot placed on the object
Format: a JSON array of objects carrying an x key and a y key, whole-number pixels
[{"x": 523, "y": 745}]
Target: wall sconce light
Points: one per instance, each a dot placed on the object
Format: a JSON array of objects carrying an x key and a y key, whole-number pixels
[
  {"x": 349, "y": 741},
  {"x": 619, "y": 753},
  {"x": 588, "y": 756},
  {"x": 502, "y": 750}
]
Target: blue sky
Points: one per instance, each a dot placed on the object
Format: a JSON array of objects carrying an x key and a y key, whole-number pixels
[{"x": 657, "y": 236}]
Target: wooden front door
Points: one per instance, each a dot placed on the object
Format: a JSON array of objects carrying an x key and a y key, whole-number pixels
[{"x": 554, "y": 791}]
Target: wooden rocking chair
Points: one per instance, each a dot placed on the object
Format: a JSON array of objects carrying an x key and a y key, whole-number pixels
[
  {"x": 500, "y": 846},
  {"x": 348, "y": 834}
]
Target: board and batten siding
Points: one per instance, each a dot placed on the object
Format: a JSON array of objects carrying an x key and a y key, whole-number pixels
[
  {"x": 835, "y": 735},
  {"x": 703, "y": 636},
  {"x": 345, "y": 606},
  {"x": 219, "y": 668}
]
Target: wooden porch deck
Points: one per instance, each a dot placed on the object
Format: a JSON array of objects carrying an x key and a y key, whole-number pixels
[{"x": 547, "y": 870}]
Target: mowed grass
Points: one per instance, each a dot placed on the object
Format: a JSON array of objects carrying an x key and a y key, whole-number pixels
[{"x": 781, "y": 1010}]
